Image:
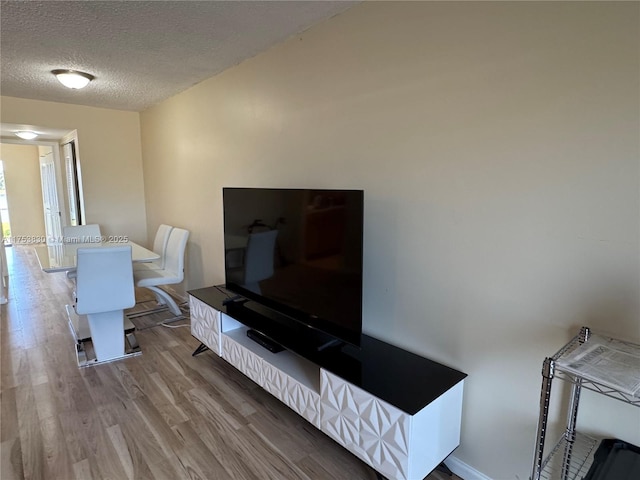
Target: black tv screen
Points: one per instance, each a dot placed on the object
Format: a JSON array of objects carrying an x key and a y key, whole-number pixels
[{"x": 299, "y": 253}]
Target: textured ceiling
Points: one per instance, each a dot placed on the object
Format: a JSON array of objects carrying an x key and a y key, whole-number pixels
[{"x": 141, "y": 52}]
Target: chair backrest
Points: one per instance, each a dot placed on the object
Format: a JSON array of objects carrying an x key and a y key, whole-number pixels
[
  {"x": 105, "y": 279},
  {"x": 81, "y": 233},
  {"x": 258, "y": 260},
  {"x": 174, "y": 257},
  {"x": 161, "y": 241}
]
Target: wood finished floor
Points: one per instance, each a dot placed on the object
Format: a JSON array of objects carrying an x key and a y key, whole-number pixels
[{"x": 161, "y": 415}]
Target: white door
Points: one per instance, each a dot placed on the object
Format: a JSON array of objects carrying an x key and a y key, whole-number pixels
[{"x": 52, "y": 212}]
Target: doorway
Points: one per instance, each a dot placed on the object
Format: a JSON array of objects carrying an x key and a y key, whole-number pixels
[
  {"x": 46, "y": 188},
  {"x": 39, "y": 196}
]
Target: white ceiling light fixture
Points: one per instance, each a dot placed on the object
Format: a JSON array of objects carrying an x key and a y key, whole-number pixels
[
  {"x": 26, "y": 134},
  {"x": 72, "y": 78}
]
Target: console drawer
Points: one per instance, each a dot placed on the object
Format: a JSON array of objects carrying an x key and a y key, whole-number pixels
[
  {"x": 243, "y": 359},
  {"x": 371, "y": 429},
  {"x": 297, "y": 396},
  {"x": 205, "y": 324}
]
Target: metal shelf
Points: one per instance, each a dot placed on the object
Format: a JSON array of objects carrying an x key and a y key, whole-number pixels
[
  {"x": 579, "y": 456},
  {"x": 572, "y": 456},
  {"x": 602, "y": 387},
  {"x": 597, "y": 387}
]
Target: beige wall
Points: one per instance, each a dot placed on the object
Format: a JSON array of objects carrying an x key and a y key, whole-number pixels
[
  {"x": 24, "y": 190},
  {"x": 497, "y": 144},
  {"x": 110, "y": 157}
]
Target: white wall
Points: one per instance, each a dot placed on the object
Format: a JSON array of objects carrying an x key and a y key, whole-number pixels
[
  {"x": 24, "y": 190},
  {"x": 497, "y": 144},
  {"x": 110, "y": 156}
]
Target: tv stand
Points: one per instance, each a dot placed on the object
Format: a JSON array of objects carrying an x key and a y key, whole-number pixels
[{"x": 398, "y": 412}]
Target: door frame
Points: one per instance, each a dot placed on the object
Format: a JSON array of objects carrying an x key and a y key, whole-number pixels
[
  {"x": 55, "y": 147},
  {"x": 72, "y": 137}
]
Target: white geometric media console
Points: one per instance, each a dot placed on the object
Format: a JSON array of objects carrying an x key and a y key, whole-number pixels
[{"x": 404, "y": 436}]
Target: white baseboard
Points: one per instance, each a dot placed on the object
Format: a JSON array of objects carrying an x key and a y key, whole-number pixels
[{"x": 463, "y": 470}]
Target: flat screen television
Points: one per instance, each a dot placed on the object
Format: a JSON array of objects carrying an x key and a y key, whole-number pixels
[{"x": 298, "y": 252}]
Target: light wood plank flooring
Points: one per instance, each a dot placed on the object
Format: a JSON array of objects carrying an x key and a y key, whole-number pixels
[{"x": 161, "y": 415}]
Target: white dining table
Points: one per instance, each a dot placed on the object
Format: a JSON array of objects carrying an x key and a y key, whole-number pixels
[{"x": 62, "y": 257}]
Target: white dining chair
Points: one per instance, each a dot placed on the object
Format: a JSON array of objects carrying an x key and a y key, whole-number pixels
[
  {"x": 74, "y": 234},
  {"x": 171, "y": 274},
  {"x": 81, "y": 233},
  {"x": 104, "y": 289},
  {"x": 160, "y": 243}
]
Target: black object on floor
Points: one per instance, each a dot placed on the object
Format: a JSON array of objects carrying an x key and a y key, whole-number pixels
[{"x": 615, "y": 460}]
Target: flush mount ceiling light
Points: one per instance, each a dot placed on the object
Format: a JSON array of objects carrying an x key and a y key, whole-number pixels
[
  {"x": 26, "y": 134},
  {"x": 73, "y": 78}
]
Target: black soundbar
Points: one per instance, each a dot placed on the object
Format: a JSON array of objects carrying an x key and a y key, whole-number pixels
[{"x": 265, "y": 341}]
